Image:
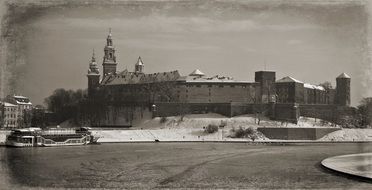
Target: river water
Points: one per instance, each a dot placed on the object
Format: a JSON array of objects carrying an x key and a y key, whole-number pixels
[{"x": 176, "y": 165}]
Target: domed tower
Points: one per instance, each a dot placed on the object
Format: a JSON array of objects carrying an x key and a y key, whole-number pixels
[
  {"x": 343, "y": 90},
  {"x": 139, "y": 67},
  {"x": 93, "y": 76},
  {"x": 109, "y": 59}
]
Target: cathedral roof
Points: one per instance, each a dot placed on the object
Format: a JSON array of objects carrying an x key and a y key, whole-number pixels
[
  {"x": 343, "y": 75},
  {"x": 289, "y": 79},
  {"x": 139, "y": 78},
  {"x": 196, "y": 72}
]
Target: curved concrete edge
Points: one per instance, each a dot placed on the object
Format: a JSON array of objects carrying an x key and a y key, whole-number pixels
[{"x": 355, "y": 165}]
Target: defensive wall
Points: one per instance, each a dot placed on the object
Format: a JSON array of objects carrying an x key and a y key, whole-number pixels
[{"x": 289, "y": 112}]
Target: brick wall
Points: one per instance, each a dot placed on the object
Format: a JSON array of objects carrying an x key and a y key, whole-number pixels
[
  {"x": 285, "y": 112},
  {"x": 238, "y": 108},
  {"x": 217, "y": 92},
  {"x": 165, "y": 109},
  {"x": 321, "y": 111}
]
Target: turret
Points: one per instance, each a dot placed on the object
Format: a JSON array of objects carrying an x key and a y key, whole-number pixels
[
  {"x": 139, "y": 67},
  {"x": 93, "y": 76},
  {"x": 343, "y": 90},
  {"x": 109, "y": 60}
]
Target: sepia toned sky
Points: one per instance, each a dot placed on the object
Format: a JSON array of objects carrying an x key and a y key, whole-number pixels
[{"x": 310, "y": 42}]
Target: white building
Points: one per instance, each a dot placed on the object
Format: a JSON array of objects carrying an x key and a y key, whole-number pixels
[
  {"x": 9, "y": 115},
  {"x": 13, "y": 112}
]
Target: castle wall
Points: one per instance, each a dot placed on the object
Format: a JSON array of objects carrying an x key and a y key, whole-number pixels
[
  {"x": 232, "y": 109},
  {"x": 217, "y": 92},
  {"x": 114, "y": 115},
  {"x": 164, "y": 109},
  {"x": 285, "y": 92},
  {"x": 239, "y": 108},
  {"x": 285, "y": 112},
  {"x": 328, "y": 112}
]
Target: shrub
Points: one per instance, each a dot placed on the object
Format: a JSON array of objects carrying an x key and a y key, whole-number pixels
[
  {"x": 242, "y": 133},
  {"x": 211, "y": 128},
  {"x": 163, "y": 119}
]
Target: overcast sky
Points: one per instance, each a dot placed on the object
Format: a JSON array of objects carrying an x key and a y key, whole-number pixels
[{"x": 312, "y": 43}]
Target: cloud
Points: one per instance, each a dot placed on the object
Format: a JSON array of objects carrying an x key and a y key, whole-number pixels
[
  {"x": 173, "y": 24},
  {"x": 294, "y": 42},
  {"x": 153, "y": 44}
]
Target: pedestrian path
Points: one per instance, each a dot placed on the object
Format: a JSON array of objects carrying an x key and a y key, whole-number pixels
[{"x": 359, "y": 165}]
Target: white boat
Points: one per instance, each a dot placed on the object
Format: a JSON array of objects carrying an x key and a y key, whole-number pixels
[{"x": 31, "y": 137}]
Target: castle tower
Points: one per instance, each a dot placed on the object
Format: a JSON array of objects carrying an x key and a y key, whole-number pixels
[
  {"x": 267, "y": 86},
  {"x": 343, "y": 90},
  {"x": 93, "y": 76},
  {"x": 109, "y": 59},
  {"x": 139, "y": 67}
]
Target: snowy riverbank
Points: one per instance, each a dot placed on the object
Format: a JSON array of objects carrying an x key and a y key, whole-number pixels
[{"x": 191, "y": 129}]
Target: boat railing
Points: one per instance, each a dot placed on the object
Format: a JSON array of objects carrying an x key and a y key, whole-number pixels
[
  {"x": 42, "y": 140},
  {"x": 58, "y": 132}
]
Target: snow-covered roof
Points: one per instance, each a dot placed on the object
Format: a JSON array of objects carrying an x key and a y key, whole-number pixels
[
  {"x": 311, "y": 86},
  {"x": 22, "y": 100},
  {"x": 6, "y": 104},
  {"x": 196, "y": 72},
  {"x": 17, "y": 96},
  {"x": 126, "y": 77},
  {"x": 213, "y": 79},
  {"x": 343, "y": 75},
  {"x": 289, "y": 79}
]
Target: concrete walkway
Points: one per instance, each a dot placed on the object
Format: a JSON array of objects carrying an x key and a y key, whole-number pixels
[{"x": 359, "y": 165}]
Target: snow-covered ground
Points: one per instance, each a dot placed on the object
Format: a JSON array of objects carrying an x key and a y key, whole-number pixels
[
  {"x": 202, "y": 120},
  {"x": 191, "y": 128},
  {"x": 349, "y": 135}
]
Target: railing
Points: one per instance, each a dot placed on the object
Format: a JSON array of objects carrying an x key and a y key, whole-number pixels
[{"x": 44, "y": 141}]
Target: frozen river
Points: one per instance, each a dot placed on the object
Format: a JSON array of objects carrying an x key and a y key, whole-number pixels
[{"x": 174, "y": 165}]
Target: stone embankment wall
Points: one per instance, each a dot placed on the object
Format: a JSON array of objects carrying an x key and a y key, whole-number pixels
[{"x": 296, "y": 133}]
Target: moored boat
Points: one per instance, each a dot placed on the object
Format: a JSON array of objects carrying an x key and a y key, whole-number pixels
[{"x": 31, "y": 137}]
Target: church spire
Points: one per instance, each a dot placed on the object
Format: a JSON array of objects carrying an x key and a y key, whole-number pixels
[
  {"x": 109, "y": 59},
  {"x": 139, "y": 67},
  {"x": 109, "y": 38},
  {"x": 93, "y": 67},
  {"x": 93, "y": 56},
  {"x": 93, "y": 76}
]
